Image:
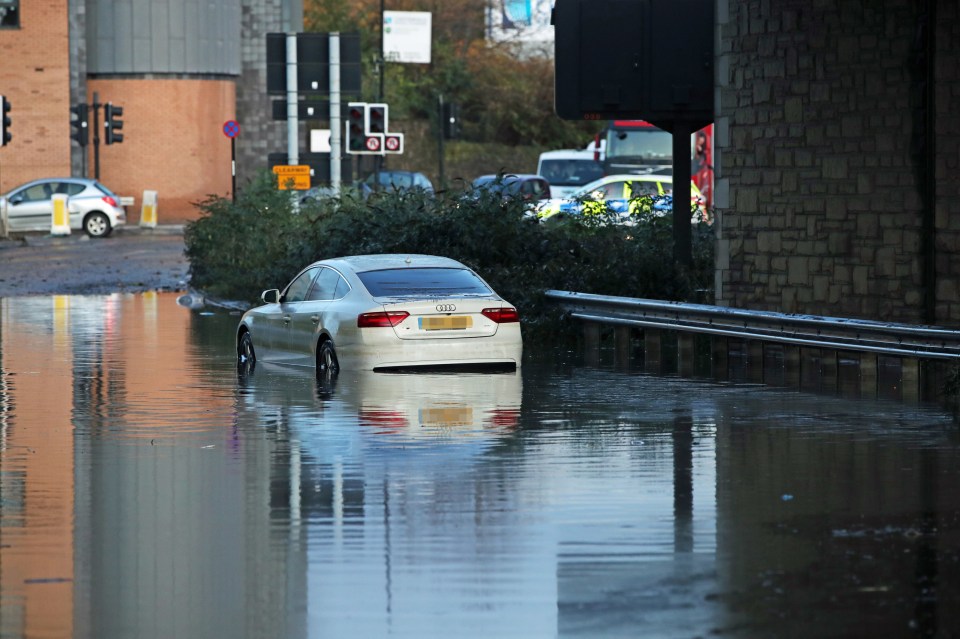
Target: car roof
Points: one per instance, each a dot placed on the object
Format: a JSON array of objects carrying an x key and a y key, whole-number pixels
[
  {"x": 362, "y": 263},
  {"x": 568, "y": 154},
  {"x": 507, "y": 177},
  {"x": 81, "y": 180}
]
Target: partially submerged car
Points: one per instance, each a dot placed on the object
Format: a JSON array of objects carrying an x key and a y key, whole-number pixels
[{"x": 375, "y": 312}]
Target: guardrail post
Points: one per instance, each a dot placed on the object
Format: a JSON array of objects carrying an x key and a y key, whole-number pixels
[
  {"x": 686, "y": 354},
  {"x": 910, "y": 378},
  {"x": 721, "y": 367},
  {"x": 868, "y": 375},
  {"x": 755, "y": 361},
  {"x": 828, "y": 371},
  {"x": 591, "y": 343},
  {"x": 791, "y": 366},
  {"x": 621, "y": 344},
  {"x": 651, "y": 350}
]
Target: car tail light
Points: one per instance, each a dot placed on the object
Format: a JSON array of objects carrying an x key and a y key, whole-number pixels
[
  {"x": 504, "y": 418},
  {"x": 503, "y": 315},
  {"x": 109, "y": 200},
  {"x": 384, "y": 421},
  {"x": 381, "y": 319}
]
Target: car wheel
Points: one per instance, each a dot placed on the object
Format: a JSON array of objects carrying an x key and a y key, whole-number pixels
[
  {"x": 246, "y": 355},
  {"x": 327, "y": 359},
  {"x": 97, "y": 225}
]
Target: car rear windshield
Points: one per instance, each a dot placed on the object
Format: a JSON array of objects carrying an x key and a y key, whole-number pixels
[{"x": 423, "y": 282}]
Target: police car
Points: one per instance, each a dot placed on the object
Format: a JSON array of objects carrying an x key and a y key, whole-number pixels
[{"x": 619, "y": 196}]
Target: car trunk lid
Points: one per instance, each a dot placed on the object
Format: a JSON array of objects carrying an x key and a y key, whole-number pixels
[{"x": 444, "y": 318}]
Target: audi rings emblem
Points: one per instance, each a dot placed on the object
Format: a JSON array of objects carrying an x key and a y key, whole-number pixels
[{"x": 446, "y": 308}]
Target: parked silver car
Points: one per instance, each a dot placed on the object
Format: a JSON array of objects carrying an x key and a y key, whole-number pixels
[{"x": 93, "y": 207}]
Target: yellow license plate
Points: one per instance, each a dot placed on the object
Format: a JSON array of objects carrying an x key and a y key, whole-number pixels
[
  {"x": 446, "y": 416},
  {"x": 446, "y": 323}
]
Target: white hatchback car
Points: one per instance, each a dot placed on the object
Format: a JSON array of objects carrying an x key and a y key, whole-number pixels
[
  {"x": 92, "y": 206},
  {"x": 374, "y": 312}
]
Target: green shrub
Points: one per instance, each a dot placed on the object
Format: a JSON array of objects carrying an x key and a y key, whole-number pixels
[{"x": 261, "y": 241}]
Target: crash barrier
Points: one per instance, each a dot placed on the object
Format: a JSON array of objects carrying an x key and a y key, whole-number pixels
[
  {"x": 60, "y": 217},
  {"x": 854, "y": 358},
  {"x": 148, "y": 210}
]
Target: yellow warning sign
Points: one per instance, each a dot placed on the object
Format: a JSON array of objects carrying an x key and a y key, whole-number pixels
[{"x": 293, "y": 176}]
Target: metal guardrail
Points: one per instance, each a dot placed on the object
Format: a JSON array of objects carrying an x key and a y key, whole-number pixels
[{"x": 903, "y": 340}]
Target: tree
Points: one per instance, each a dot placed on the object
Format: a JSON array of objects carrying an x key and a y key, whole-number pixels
[{"x": 504, "y": 98}]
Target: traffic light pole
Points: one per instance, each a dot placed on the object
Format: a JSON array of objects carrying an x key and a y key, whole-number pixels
[
  {"x": 336, "y": 129},
  {"x": 96, "y": 135},
  {"x": 293, "y": 145},
  {"x": 440, "y": 136}
]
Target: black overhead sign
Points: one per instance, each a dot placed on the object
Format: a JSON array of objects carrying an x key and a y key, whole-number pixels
[
  {"x": 313, "y": 63},
  {"x": 635, "y": 60}
]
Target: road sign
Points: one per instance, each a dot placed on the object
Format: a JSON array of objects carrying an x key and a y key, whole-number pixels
[
  {"x": 393, "y": 143},
  {"x": 231, "y": 129},
  {"x": 299, "y": 174},
  {"x": 373, "y": 143}
]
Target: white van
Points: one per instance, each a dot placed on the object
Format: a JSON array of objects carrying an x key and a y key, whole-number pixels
[{"x": 568, "y": 170}]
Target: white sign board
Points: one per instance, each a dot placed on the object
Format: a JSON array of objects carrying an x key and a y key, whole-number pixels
[
  {"x": 407, "y": 36},
  {"x": 320, "y": 140}
]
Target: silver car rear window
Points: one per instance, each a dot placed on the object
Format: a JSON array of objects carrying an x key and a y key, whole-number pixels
[{"x": 423, "y": 282}]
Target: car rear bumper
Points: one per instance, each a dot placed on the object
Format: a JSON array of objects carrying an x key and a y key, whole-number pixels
[{"x": 504, "y": 348}]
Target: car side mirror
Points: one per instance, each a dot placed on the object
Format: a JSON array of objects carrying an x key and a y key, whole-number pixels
[
  {"x": 270, "y": 296},
  {"x": 16, "y": 199}
]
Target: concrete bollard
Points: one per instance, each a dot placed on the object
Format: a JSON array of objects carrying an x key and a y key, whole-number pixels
[
  {"x": 148, "y": 210},
  {"x": 60, "y": 220}
]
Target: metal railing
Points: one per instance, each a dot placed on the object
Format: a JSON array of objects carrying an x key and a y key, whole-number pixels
[{"x": 904, "y": 340}]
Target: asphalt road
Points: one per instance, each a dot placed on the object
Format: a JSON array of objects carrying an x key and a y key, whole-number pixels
[{"x": 131, "y": 259}]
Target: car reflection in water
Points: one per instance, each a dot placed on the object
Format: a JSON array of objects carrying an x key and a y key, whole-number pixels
[{"x": 371, "y": 411}]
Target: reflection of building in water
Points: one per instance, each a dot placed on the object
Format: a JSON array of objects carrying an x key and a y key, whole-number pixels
[
  {"x": 36, "y": 470},
  {"x": 116, "y": 522}
]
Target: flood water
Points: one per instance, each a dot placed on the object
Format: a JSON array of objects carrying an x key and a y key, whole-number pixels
[{"x": 148, "y": 490}]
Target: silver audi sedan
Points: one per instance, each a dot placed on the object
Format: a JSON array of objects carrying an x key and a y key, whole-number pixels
[{"x": 375, "y": 312}]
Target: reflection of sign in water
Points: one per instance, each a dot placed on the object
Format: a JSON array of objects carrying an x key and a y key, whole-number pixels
[{"x": 406, "y": 36}]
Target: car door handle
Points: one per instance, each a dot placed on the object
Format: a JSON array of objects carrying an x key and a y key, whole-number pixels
[
  {"x": 286, "y": 319},
  {"x": 314, "y": 318}
]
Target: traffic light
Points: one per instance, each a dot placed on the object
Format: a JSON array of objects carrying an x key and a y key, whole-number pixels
[
  {"x": 112, "y": 123},
  {"x": 5, "y": 135},
  {"x": 80, "y": 121},
  {"x": 376, "y": 118},
  {"x": 451, "y": 120},
  {"x": 356, "y": 125}
]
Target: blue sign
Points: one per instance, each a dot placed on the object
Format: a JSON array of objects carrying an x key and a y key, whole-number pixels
[{"x": 231, "y": 129}]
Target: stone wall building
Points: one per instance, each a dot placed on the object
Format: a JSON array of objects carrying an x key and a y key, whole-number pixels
[{"x": 837, "y": 155}]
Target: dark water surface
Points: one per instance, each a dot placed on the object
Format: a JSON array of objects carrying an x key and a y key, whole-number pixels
[{"x": 147, "y": 490}]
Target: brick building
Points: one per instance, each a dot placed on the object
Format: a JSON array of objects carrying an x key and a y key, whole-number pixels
[{"x": 178, "y": 68}]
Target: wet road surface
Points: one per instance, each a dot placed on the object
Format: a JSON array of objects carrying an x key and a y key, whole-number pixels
[
  {"x": 148, "y": 490},
  {"x": 130, "y": 259}
]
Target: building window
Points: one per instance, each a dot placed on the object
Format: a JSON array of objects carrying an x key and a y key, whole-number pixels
[{"x": 9, "y": 14}]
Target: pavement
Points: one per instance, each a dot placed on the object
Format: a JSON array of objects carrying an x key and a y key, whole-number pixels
[{"x": 131, "y": 259}]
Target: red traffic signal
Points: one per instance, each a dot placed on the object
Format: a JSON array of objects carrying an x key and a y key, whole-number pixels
[
  {"x": 376, "y": 118},
  {"x": 356, "y": 127}
]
